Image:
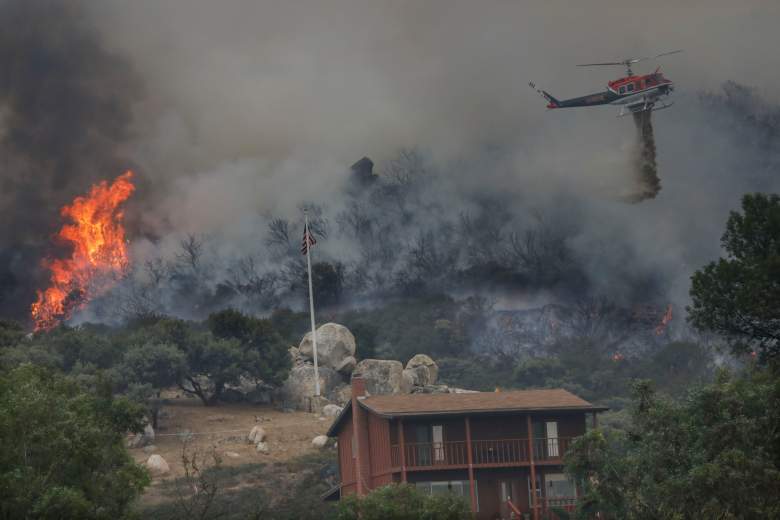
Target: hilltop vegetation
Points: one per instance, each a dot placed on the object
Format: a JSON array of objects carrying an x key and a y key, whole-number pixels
[{"x": 68, "y": 396}]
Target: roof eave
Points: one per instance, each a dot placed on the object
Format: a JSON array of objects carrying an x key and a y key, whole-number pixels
[
  {"x": 333, "y": 431},
  {"x": 391, "y": 415}
]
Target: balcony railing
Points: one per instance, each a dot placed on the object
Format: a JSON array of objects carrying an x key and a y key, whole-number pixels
[{"x": 500, "y": 452}]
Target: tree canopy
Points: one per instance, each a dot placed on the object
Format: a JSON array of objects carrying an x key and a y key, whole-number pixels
[
  {"x": 203, "y": 359},
  {"x": 63, "y": 454},
  {"x": 715, "y": 454},
  {"x": 739, "y": 295}
]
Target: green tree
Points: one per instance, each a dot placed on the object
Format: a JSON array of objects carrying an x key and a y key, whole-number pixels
[
  {"x": 739, "y": 296},
  {"x": 402, "y": 502},
  {"x": 264, "y": 351},
  {"x": 63, "y": 452},
  {"x": 716, "y": 454},
  {"x": 224, "y": 350},
  {"x": 148, "y": 369},
  {"x": 212, "y": 363},
  {"x": 290, "y": 325}
]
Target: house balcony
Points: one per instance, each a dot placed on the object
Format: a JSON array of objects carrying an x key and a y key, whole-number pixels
[{"x": 484, "y": 453}]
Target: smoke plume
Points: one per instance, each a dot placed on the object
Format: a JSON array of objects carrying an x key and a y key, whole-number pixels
[{"x": 235, "y": 114}]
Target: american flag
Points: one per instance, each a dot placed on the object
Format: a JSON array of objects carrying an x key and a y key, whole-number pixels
[{"x": 308, "y": 240}]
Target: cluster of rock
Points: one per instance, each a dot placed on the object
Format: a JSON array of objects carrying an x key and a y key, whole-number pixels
[
  {"x": 157, "y": 465},
  {"x": 257, "y": 436},
  {"x": 336, "y": 363}
]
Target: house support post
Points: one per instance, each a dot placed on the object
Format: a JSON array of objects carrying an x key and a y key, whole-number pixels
[
  {"x": 595, "y": 420},
  {"x": 534, "y": 499},
  {"x": 470, "y": 459},
  {"x": 402, "y": 448}
]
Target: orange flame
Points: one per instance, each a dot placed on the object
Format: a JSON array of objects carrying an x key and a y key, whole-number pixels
[
  {"x": 99, "y": 256},
  {"x": 665, "y": 319}
]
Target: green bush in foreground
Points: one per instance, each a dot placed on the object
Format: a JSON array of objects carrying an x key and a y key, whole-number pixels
[
  {"x": 402, "y": 502},
  {"x": 715, "y": 454},
  {"x": 62, "y": 450}
]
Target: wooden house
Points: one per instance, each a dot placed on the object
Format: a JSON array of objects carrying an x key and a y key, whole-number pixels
[{"x": 502, "y": 451}]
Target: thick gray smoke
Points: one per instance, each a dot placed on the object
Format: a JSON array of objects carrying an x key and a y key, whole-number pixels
[
  {"x": 65, "y": 111},
  {"x": 646, "y": 170},
  {"x": 235, "y": 113}
]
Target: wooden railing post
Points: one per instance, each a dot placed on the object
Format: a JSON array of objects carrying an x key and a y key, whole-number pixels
[
  {"x": 469, "y": 458},
  {"x": 402, "y": 449},
  {"x": 534, "y": 500}
]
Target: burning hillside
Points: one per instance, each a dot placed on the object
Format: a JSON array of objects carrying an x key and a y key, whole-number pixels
[{"x": 96, "y": 234}]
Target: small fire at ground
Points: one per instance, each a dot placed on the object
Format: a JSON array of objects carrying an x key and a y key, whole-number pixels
[{"x": 94, "y": 230}]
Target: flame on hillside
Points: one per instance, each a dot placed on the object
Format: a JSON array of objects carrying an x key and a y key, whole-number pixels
[{"x": 94, "y": 229}]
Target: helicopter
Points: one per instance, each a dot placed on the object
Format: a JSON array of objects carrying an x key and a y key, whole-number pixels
[{"x": 634, "y": 94}]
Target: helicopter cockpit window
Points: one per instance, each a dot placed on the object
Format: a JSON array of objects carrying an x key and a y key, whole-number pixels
[
  {"x": 622, "y": 90},
  {"x": 630, "y": 87}
]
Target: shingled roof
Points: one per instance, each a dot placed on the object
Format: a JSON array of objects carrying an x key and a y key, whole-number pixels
[
  {"x": 425, "y": 404},
  {"x": 470, "y": 403}
]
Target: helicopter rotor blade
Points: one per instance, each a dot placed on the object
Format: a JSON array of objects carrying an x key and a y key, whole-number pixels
[
  {"x": 598, "y": 64},
  {"x": 629, "y": 61},
  {"x": 667, "y": 53}
]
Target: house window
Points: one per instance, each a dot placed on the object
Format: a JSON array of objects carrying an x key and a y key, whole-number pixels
[
  {"x": 546, "y": 443},
  {"x": 559, "y": 487},
  {"x": 438, "y": 442},
  {"x": 552, "y": 439},
  {"x": 630, "y": 87},
  {"x": 429, "y": 443},
  {"x": 622, "y": 90}
]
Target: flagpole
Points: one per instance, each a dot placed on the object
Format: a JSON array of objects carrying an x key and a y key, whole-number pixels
[{"x": 311, "y": 306}]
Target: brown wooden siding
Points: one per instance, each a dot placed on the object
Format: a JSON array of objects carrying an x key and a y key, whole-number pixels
[
  {"x": 381, "y": 453},
  {"x": 346, "y": 462},
  {"x": 379, "y": 439}
]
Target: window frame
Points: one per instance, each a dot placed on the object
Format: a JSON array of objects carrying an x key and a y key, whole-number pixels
[{"x": 549, "y": 478}]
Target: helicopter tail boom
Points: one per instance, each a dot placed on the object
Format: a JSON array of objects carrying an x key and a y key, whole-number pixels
[{"x": 553, "y": 103}]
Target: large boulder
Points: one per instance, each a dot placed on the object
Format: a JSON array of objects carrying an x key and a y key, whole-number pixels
[
  {"x": 421, "y": 360},
  {"x": 320, "y": 441},
  {"x": 346, "y": 366},
  {"x": 256, "y": 435},
  {"x": 335, "y": 345},
  {"x": 298, "y": 390},
  {"x": 331, "y": 410},
  {"x": 157, "y": 465},
  {"x": 383, "y": 376},
  {"x": 419, "y": 376}
]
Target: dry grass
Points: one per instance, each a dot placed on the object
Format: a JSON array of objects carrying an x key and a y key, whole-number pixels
[{"x": 289, "y": 436}]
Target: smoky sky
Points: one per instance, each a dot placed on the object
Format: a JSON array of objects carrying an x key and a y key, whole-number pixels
[{"x": 237, "y": 110}]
